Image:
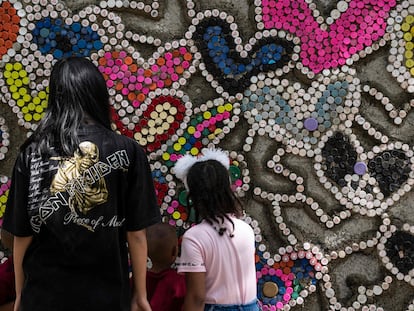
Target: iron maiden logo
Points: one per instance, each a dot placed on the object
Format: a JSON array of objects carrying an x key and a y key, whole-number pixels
[{"x": 78, "y": 186}]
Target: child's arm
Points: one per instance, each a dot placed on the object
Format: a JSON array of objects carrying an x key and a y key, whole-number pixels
[
  {"x": 20, "y": 246},
  {"x": 137, "y": 244},
  {"x": 6, "y": 239},
  {"x": 7, "y": 307},
  {"x": 196, "y": 291}
]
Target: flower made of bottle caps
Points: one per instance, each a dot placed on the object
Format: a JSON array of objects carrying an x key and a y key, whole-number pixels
[{"x": 288, "y": 277}]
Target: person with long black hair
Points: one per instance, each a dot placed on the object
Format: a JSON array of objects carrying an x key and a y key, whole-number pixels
[
  {"x": 80, "y": 200},
  {"x": 217, "y": 254}
]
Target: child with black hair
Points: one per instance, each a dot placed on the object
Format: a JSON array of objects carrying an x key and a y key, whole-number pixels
[
  {"x": 165, "y": 287},
  {"x": 217, "y": 254}
]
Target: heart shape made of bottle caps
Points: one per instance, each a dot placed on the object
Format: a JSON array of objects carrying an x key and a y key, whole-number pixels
[
  {"x": 214, "y": 38},
  {"x": 358, "y": 25},
  {"x": 157, "y": 123}
]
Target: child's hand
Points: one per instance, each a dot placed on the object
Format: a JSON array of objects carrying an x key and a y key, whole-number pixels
[
  {"x": 16, "y": 306},
  {"x": 138, "y": 304}
]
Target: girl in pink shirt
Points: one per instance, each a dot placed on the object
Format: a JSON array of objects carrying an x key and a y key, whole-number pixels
[{"x": 217, "y": 254}]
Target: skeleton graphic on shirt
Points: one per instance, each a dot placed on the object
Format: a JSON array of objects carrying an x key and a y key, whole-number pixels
[{"x": 84, "y": 193}]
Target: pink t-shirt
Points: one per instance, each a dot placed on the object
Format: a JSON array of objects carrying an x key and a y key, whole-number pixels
[{"x": 228, "y": 262}]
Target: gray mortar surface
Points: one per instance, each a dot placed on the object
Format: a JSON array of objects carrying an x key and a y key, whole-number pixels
[{"x": 361, "y": 268}]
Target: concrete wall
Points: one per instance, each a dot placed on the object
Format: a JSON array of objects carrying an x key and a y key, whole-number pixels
[{"x": 311, "y": 99}]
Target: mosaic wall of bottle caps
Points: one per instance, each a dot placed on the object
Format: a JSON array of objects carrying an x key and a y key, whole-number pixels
[{"x": 320, "y": 151}]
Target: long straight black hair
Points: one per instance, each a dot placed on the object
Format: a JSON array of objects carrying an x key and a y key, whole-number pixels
[
  {"x": 76, "y": 90},
  {"x": 210, "y": 193}
]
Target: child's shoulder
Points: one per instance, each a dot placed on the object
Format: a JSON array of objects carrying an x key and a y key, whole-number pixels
[{"x": 200, "y": 227}]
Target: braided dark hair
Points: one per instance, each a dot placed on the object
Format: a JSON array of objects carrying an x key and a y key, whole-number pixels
[{"x": 210, "y": 193}]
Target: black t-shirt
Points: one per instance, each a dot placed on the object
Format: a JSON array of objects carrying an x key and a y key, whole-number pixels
[{"x": 78, "y": 210}]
